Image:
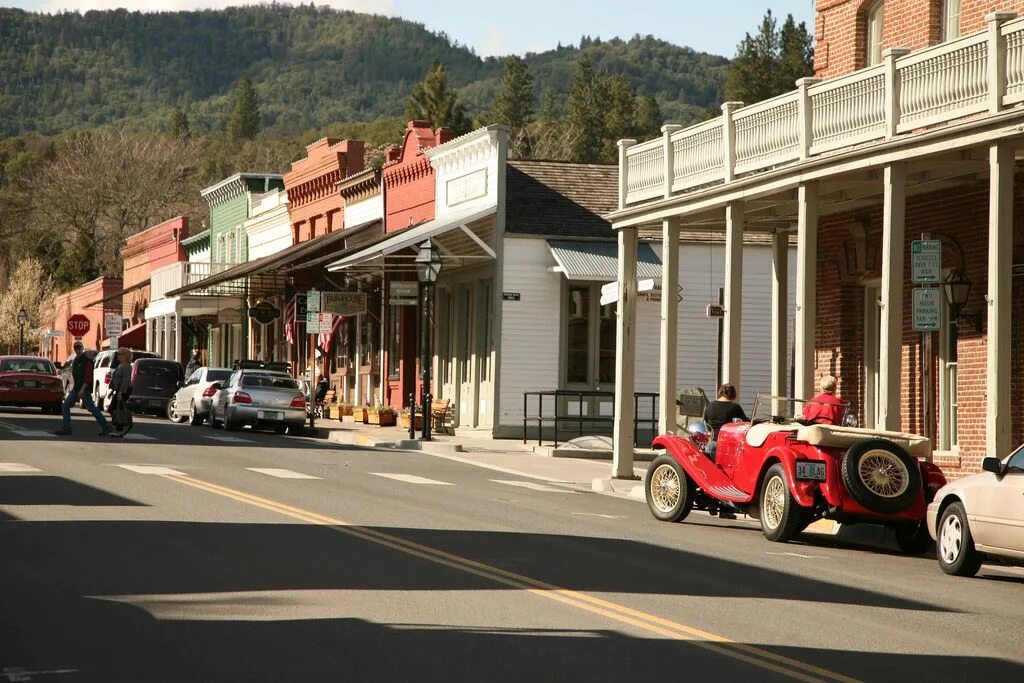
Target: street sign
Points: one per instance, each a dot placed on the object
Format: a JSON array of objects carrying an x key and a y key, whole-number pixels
[
  {"x": 610, "y": 291},
  {"x": 312, "y": 322},
  {"x": 927, "y": 309},
  {"x": 312, "y": 301},
  {"x": 79, "y": 325},
  {"x": 300, "y": 308},
  {"x": 926, "y": 261},
  {"x": 403, "y": 292},
  {"x": 715, "y": 311},
  {"x": 343, "y": 303},
  {"x": 112, "y": 324}
]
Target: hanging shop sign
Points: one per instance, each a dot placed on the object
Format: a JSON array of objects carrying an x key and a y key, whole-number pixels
[
  {"x": 300, "y": 307},
  {"x": 312, "y": 301},
  {"x": 229, "y": 316},
  {"x": 343, "y": 303},
  {"x": 264, "y": 313},
  {"x": 403, "y": 292}
]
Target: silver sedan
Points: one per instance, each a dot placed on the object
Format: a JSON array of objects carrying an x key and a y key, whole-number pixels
[{"x": 260, "y": 399}]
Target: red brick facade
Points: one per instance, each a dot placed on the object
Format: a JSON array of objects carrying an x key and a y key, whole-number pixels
[
  {"x": 959, "y": 217},
  {"x": 314, "y": 204},
  {"x": 840, "y": 28},
  {"x": 408, "y": 178},
  {"x": 75, "y": 302},
  {"x": 143, "y": 253}
]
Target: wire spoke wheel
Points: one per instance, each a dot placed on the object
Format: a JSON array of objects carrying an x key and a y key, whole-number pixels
[
  {"x": 883, "y": 474},
  {"x": 774, "y": 503},
  {"x": 665, "y": 488}
]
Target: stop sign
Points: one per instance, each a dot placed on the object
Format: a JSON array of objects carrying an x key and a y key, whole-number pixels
[{"x": 79, "y": 325}]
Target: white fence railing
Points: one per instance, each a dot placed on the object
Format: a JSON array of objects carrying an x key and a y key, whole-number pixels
[
  {"x": 907, "y": 93},
  {"x": 180, "y": 274}
]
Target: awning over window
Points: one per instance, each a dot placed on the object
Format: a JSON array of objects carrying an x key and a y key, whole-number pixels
[
  {"x": 133, "y": 337},
  {"x": 456, "y": 237},
  {"x": 599, "y": 261}
]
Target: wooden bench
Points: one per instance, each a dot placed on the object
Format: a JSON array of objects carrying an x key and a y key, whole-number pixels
[{"x": 440, "y": 413}]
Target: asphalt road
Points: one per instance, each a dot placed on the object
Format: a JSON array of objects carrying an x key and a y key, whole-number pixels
[{"x": 181, "y": 556}]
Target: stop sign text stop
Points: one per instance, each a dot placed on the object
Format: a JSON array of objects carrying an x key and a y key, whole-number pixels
[{"x": 79, "y": 325}]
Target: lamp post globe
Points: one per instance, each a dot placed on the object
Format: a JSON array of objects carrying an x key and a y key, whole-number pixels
[
  {"x": 428, "y": 267},
  {"x": 22, "y": 319}
]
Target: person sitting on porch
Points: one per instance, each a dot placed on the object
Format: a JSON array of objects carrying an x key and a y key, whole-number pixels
[{"x": 825, "y": 408}]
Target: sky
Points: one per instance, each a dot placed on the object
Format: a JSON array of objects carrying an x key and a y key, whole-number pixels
[{"x": 493, "y": 28}]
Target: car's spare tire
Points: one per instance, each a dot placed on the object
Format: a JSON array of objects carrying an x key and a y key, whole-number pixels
[{"x": 881, "y": 476}]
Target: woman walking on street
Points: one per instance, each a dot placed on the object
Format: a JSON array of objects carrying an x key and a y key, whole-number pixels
[{"x": 121, "y": 389}]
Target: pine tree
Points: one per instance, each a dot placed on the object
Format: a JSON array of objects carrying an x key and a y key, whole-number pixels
[
  {"x": 433, "y": 100},
  {"x": 513, "y": 105},
  {"x": 585, "y": 115},
  {"x": 769, "y": 63},
  {"x": 244, "y": 123},
  {"x": 549, "y": 110},
  {"x": 620, "y": 114},
  {"x": 178, "y": 126},
  {"x": 648, "y": 118}
]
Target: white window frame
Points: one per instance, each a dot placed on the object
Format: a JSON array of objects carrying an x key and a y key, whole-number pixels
[
  {"x": 874, "y": 33},
  {"x": 950, "y": 20}
]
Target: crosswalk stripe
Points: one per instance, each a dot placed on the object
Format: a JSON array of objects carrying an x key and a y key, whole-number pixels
[
  {"x": 34, "y": 434},
  {"x": 533, "y": 486},
  {"x": 153, "y": 469},
  {"x": 131, "y": 436},
  {"x": 227, "y": 439},
  {"x": 13, "y": 467},
  {"x": 281, "y": 474},
  {"x": 410, "y": 478}
]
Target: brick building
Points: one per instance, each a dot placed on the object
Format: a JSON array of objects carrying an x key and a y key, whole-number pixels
[
  {"x": 911, "y": 132},
  {"x": 83, "y": 300},
  {"x": 314, "y": 204}
]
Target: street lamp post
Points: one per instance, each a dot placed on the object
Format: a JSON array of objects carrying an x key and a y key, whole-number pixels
[
  {"x": 22, "y": 319},
  {"x": 428, "y": 267},
  {"x": 957, "y": 288}
]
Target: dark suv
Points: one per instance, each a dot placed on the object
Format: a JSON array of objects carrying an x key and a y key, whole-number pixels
[{"x": 154, "y": 382}]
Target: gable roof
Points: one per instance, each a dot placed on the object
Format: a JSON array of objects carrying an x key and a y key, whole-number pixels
[{"x": 560, "y": 199}]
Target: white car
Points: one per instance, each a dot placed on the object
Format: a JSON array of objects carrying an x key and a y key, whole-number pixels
[
  {"x": 102, "y": 370},
  {"x": 981, "y": 517},
  {"x": 192, "y": 401}
]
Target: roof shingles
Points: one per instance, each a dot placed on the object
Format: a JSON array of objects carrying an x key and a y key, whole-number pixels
[{"x": 560, "y": 199}]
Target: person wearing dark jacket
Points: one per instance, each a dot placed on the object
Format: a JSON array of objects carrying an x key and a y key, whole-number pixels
[
  {"x": 723, "y": 410},
  {"x": 120, "y": 390},
  {"x": 194, "y": 362},
  {"x": 81, "y": 377}
]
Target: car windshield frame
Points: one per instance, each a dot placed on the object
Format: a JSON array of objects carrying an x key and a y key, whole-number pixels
[
  {"x": 278, "y": 381},
  {"x": 767, "y": 409},
  {"x": 4, "y": 366}
]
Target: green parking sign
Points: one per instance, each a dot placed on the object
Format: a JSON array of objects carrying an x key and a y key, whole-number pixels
[{"x": 926, "y": 261}]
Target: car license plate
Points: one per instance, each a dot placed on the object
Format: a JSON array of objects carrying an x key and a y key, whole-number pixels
[
  {"x": 810, "y": 470},
  {"x": 269, "y": 415},
  {"x": 30, "y": 384}
]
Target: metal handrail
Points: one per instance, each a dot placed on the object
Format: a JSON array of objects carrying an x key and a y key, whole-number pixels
[{"x": 542, "y": 420}]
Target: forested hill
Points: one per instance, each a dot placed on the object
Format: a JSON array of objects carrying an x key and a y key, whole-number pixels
[{"x": 312, "y": 67}]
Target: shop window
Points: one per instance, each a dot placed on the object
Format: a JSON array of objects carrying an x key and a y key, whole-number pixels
[
  {"x": 589, "y": 338},
  {"x": 873, "y": 44},
  {"x": 950, "y": 20},
  {"x": 394, "y": 342}
]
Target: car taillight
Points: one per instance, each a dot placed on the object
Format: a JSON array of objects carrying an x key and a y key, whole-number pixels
[
  {"x": 210, "y": 391},
  {"x": 242, "y": 397},
  {"x": 298, "y": 402},
  {"x": 106, "y": 380}
]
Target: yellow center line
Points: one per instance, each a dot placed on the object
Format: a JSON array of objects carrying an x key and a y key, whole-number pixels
[{"x": 649, "y": 622}]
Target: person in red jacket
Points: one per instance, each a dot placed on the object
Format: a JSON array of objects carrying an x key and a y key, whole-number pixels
[{"x": 825, "y": 408}]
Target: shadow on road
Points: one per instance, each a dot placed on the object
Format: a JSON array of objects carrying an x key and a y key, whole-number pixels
[{"x": 49, "y": 490}]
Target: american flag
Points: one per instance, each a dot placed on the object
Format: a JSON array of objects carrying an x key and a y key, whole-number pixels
[
  {"x": 289, "y": 320},
  {"x": 324, "y": 340}
]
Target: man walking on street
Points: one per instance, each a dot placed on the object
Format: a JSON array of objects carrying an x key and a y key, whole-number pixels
[{"x": 81, "y": 377}]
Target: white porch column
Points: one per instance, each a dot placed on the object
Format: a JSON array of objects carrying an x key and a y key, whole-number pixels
[
  {"x": 178, "y": 337},
  {"x": 891, "y": 338},
  {"x": 1000, "y": 287},
  {"x": 806, "y": 289},
  {"x": 734, "y": 225},
  {"x": 780, "y": 312},
  {"x": 625, "y": 357},
  {"x": 669, "y": 325},
  {"x": 167, "y": 338},
  {"x": 358, "y": 398}
]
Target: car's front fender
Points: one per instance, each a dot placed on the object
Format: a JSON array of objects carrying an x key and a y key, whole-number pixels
[{"x": 704, "y": 473}]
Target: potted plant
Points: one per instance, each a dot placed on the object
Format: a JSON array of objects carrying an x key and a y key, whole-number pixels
[
  {"x": 417, "y": 418},
  {"x": 385, "y": 416},
  {"x": 361, "y": 414},
  {"x": 344, "y": 409}
]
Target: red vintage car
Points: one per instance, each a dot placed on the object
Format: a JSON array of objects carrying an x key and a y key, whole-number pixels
[
  {"x": 788, "y": 472},
  {"x": 30, "y": 381}
]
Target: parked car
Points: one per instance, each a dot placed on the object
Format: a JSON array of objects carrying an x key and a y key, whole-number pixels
[
  {"x": 788, "y": 472},
  {"x": 30, "y": 381},
  {"x": 259, "y": 398},
  {"x": 154, "y": 382},
  {"x": 102, "y": 369},
  {"x": 981, "y": 517},
  {"x": 192, "y": 401}
]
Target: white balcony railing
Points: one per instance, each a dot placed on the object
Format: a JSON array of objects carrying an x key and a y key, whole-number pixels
[
  {"x": 907, "y": 93},
  {"x": 180, "y": 274}
]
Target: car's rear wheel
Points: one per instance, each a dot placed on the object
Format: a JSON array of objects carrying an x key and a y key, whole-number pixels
[
  {"x": 194, "y": 418},
  {"x": 229, "y": 424},
  {"x": 781, "y": 517},
  {"x": 955, "y": 548},
  {"x": 100, "y": 399},
  {"x": 913, "y": 538},
  {"x": 214, "y": 422},
  {"x": 670, "y": 492},
  {"x": 881, "y": 476}
]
